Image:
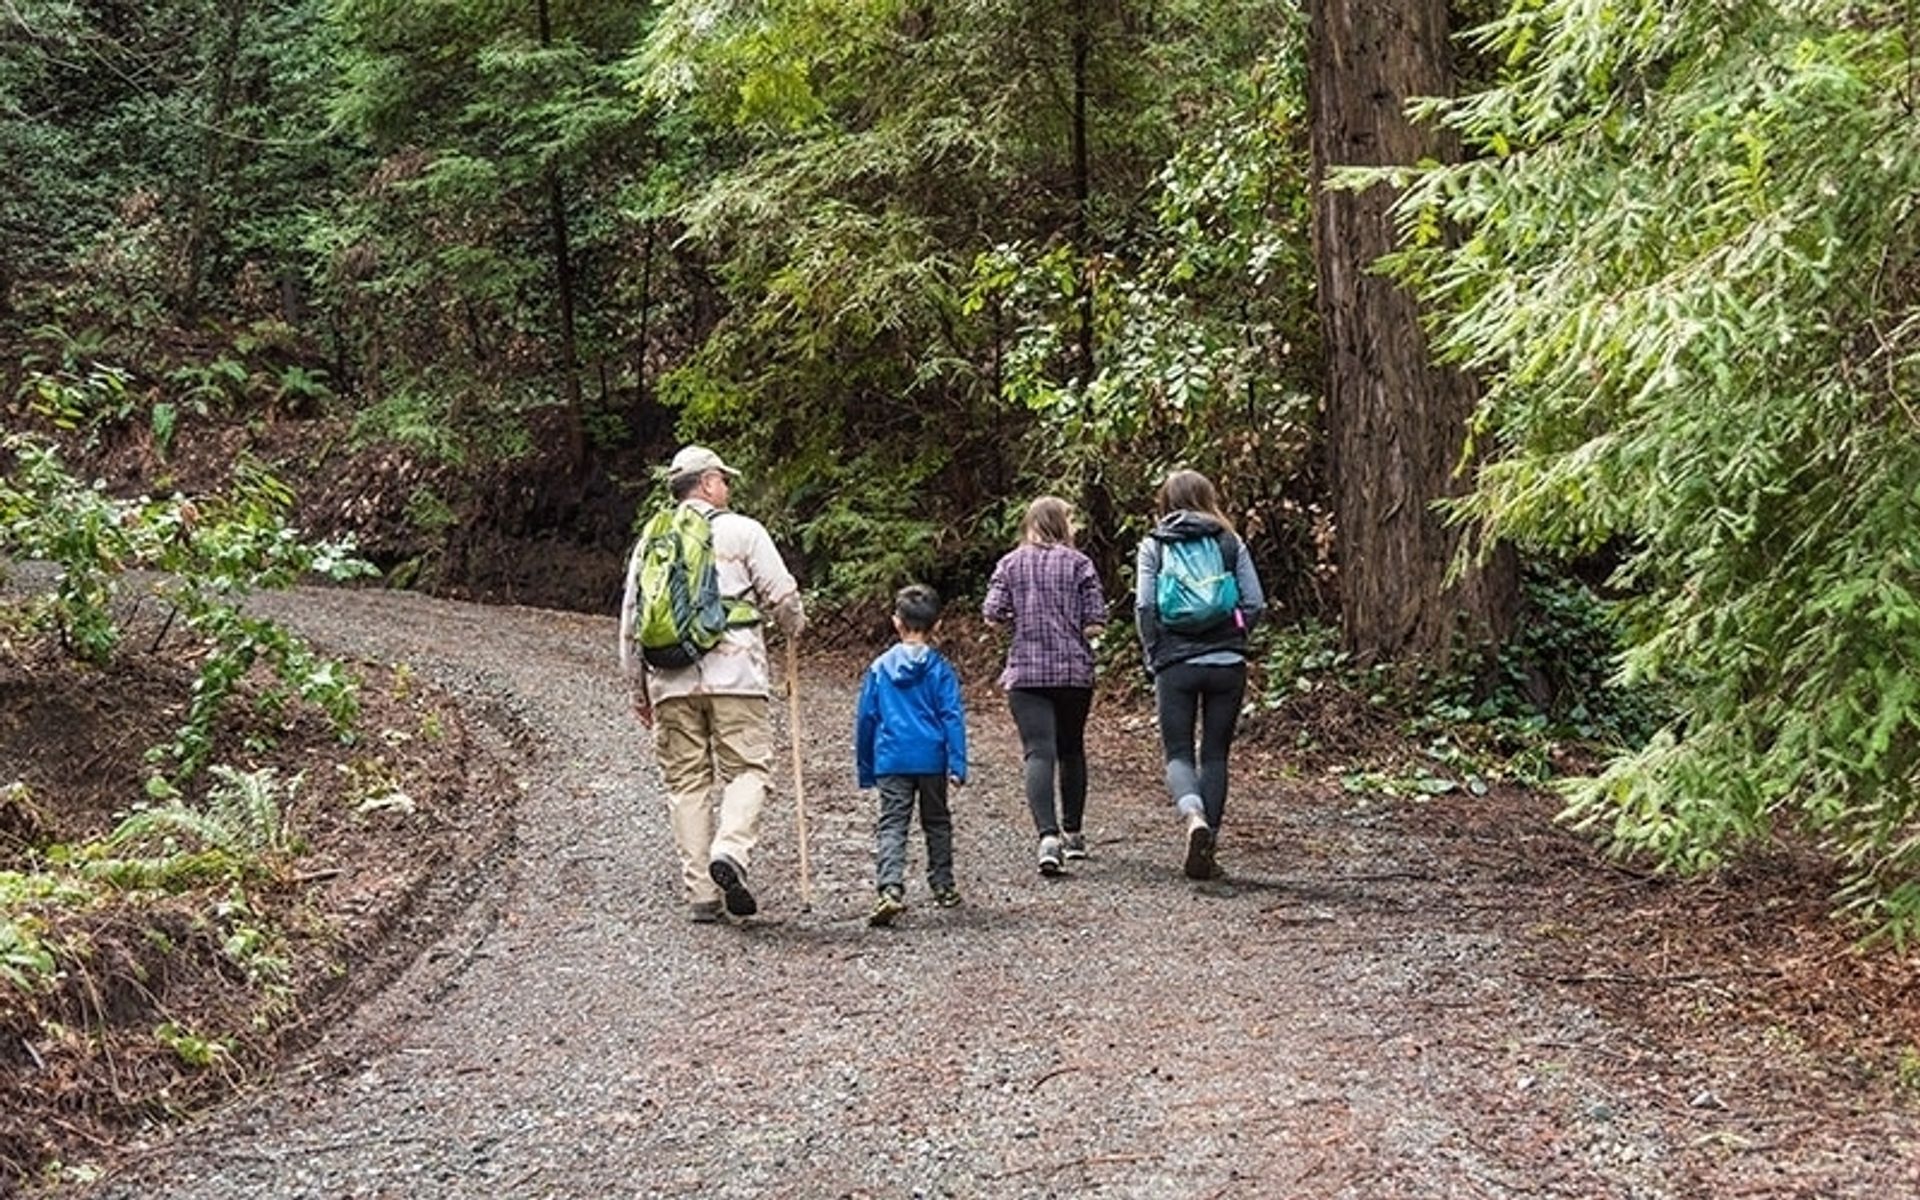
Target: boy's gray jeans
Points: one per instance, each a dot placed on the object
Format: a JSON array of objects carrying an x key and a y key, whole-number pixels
[{"x": 897, "y": 796}]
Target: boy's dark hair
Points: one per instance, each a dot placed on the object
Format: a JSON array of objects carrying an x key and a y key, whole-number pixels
[{"x": 917, "y": 606}]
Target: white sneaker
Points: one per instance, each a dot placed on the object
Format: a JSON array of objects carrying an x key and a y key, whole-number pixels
[
  {"x": 1073, "y": 846},
  {"x": 1199, "y": 864},
  {"x": 1050, "y": 855}
]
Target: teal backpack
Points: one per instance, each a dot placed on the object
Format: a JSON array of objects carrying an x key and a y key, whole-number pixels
[
  {"x": 682, "y": 613},
  {"x": 1196, "y": 587}
]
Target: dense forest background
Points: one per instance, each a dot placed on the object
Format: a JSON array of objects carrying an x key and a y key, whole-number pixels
[
  {"x": 1546, "y": 352},
  {"x": 1559, "y": 360},
  {"x": 911, "y": 263}
]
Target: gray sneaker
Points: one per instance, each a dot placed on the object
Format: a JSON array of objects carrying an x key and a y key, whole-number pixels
[
  {"x": 703, "y": 912},
  {"x": 1050, "y": 855},
  {"x": 1073, "y": 846}
]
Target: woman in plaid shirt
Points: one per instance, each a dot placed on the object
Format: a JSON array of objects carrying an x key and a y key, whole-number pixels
[{"x": 1049, "y": 593}]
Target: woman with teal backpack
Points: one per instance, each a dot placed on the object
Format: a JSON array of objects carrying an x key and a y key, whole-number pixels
[{"x": 1196, "y": 598}]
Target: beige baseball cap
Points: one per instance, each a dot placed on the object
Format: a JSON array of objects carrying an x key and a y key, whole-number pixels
[{"x": 697, "y": 460}]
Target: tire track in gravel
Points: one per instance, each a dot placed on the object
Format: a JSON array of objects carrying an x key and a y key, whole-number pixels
[{"x": 1334, "y": 1022}]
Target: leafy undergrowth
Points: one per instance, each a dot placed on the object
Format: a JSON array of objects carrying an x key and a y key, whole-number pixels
[{"x": 145, "y": 968}]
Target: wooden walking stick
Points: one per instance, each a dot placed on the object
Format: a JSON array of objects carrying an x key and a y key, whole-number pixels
[{"x": 799, "y": 773}]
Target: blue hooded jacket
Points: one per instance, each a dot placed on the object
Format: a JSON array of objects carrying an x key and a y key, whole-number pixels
[{"x": 911, "y": 719}]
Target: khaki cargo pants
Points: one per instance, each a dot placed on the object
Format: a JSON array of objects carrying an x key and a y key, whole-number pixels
[{"x": 701, "y": 741}]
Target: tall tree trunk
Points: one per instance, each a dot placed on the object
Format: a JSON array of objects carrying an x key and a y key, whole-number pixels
[
  {"x": 212, "y": 162},
  {"x": 642, "y": 385},
  {"x": 1396, "y": 422},
  {"x": 1083, "y": 189},
  {"x": 564, "y": 282},
  {"x": 1102, "y": 514}
]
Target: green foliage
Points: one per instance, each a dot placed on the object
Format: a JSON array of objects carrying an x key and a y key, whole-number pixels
[
  {"x": 68, "y": 385},
  {"x": 446, "y": 257},
  {"x": 237, "y": 544},
  {"x": 774, "y": 212},
  {"x": 208, "y": 386},
  {"x": 428, "y": 510},
  {"x": 212, "y": 555},
  {"x": 1550, "y": 695},
  {"x": 251, "y": 942},
  {"x": 45, "y": 513},
  {"x": 1558, "y": 676},
  {"x": 1205, "y": 345},
  {"x": 177, "y": 870},
  {"x": 1298, "y": 655},
  {"x": 242, "y": 815},
  {"x": 25, "y": 960},
  {"x": 872, "y": 528},
  {"x": 415, "y": 416},
  {"x": 141, "y": 132},
  {"x": 849, "y": 154},
  {"x": 1686, "y": 263},
  {"x": 192, "y": 1049},
  {"x": 83, "y": 398}
]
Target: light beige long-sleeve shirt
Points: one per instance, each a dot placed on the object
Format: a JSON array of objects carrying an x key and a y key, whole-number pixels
[{"x": 750, "y": 568}]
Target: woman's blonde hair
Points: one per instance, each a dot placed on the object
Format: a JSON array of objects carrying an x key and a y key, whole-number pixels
[
  {"x": 1049, "y": 522},
  {"x": 1192, "y": 492}
]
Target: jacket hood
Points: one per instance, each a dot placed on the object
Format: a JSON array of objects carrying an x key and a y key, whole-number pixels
[
  {"x": 905, "y": 663},
  {"x": 1185, "y": 525}
]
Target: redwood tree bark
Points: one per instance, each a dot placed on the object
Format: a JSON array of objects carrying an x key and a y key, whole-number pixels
[{"x": 1396, "y": 423}]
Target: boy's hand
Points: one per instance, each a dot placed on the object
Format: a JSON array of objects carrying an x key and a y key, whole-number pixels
[
  {"x": 643, "y": 708},
  {"x": 957, "y": 780}
]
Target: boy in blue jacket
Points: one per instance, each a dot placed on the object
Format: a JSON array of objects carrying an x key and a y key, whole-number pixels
[{"x": 910, "y": 738}]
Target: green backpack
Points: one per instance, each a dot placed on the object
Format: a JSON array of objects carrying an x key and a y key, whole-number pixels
[{"x": 682, "y": 613}]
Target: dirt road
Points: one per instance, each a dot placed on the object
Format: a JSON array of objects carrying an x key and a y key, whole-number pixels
[{"x": 1361, "y": 1010}]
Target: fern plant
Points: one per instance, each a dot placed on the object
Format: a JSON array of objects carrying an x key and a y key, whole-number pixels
[{"x": 242, "y": 815}]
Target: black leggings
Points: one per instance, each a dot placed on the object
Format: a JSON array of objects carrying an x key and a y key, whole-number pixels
[
  {"x": 1053, "y": 734},
  {"x": 1185, "y": 692}
]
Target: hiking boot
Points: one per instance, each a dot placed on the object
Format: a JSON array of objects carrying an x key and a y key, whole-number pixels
[
  {"x": 1050, "y": 855},
  {"x": 947, "y": 897},
  {"x": 703, "y": 912},
  {"x": 889, "y": 905},
  {"x": 1073, "y": 846},
  {"x": 1199, "y": 863},
  {"x": 732, "y": 881}
]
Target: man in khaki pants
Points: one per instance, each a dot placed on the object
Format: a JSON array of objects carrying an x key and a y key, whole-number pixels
[{"x": 710, "y": 720}]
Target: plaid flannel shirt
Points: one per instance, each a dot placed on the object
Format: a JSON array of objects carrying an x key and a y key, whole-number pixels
[{"x": 1051, "y": 595}]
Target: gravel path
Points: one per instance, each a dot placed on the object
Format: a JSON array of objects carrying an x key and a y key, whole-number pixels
[{"x": 1342, "y": 1019}]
